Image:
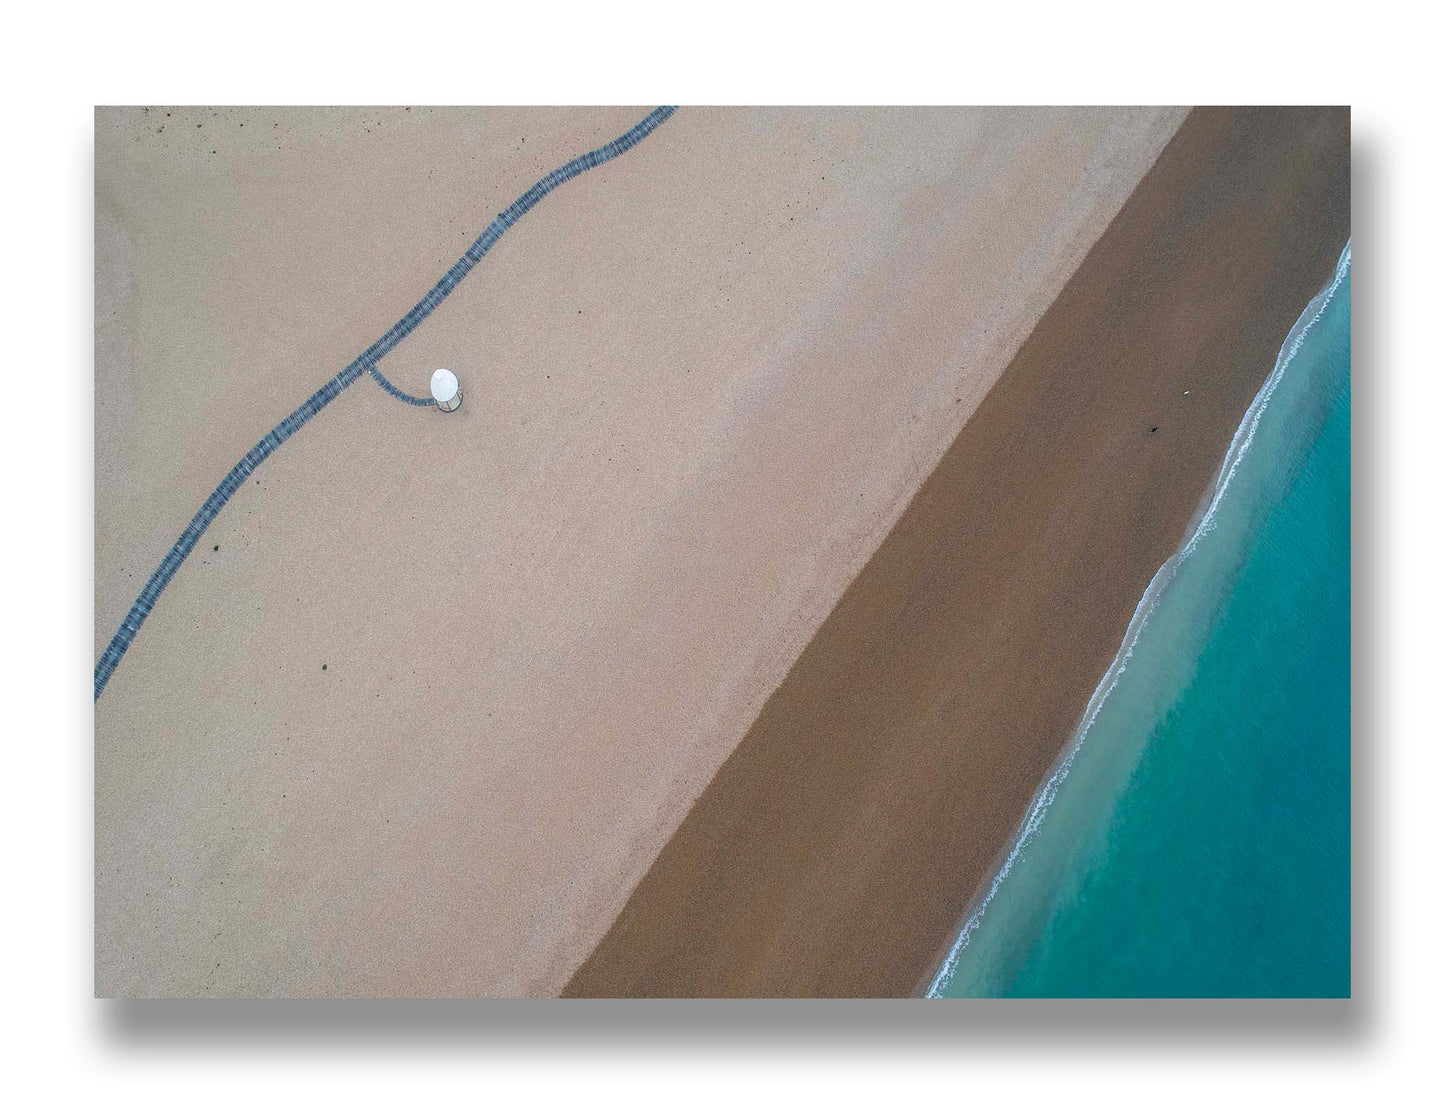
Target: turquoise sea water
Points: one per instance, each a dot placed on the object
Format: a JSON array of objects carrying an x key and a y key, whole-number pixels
[{"x": 1196, "y": 839}]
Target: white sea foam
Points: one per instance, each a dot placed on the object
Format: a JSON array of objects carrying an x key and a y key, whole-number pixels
[{"x": 1238, "y": 447}]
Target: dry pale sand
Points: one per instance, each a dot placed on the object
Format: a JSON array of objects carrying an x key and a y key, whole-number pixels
[
  {"x": 838, "y": 848},
  {"x": 702, "y": 382}
]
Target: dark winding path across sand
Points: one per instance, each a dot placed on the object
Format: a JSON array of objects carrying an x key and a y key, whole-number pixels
[{"x": 365, "y": 363}]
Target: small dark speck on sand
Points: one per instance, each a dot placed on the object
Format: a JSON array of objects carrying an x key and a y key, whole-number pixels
[
  {"x": 215, "y": 548},
  {"x": 1153, "y": 429},
  {"x": 323, "y": 666}
]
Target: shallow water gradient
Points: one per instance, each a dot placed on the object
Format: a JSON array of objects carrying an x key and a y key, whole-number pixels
[{"x": 1200, "y": 843}]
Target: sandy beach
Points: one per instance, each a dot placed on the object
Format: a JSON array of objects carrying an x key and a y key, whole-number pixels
[
  {"x": 840, "y": 845},
  {"x": 424, "y": 710}
]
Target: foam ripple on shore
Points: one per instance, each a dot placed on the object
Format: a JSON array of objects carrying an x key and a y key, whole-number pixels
[
  {"x": 835, "y": 851},
  {"x": 1243, "y": 438}
]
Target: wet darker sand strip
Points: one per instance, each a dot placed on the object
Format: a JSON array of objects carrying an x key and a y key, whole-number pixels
[{"x": 838, "y": 848}]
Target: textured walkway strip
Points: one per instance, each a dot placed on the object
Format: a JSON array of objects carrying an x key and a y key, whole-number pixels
[
  {"x": 396, "y": 392},
  {"x": 338, "y": 383}
]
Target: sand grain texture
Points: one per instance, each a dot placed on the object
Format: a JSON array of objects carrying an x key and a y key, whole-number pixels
[
  {"x": 838, "y": 848},
  {"x": 702, "y": 382}
]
